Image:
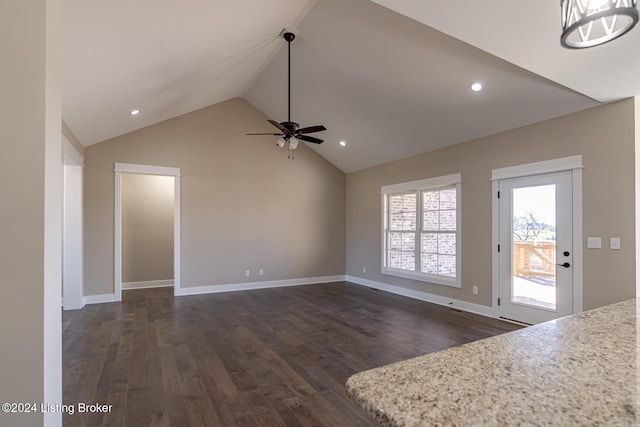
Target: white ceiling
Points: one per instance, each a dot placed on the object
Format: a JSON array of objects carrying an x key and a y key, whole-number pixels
[
  {"x": 530, "y": 38},
  {"x": 163, "y": 57},
  {"x": 390, "y": 83}
]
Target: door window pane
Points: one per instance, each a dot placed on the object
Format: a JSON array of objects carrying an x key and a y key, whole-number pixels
[{"x": 534, "y": 246}]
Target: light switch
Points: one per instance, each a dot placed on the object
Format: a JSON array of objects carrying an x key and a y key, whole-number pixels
[
  {"x": 594, "y": 242},
  {"x": 614, "y": 243}
]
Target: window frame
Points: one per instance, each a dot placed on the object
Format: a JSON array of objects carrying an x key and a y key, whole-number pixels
[{"x": 418, "y": 187}]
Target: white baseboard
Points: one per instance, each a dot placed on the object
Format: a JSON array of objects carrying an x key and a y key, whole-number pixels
[
  {"x": 99, "y": 299},
  {"x": 69, "y": 306},
  {"x": 424, "y": 296},
  {"x": 199, "y": 290},
  {"x": 147, "y": 284},
  {"x": 398, "y": 290}
]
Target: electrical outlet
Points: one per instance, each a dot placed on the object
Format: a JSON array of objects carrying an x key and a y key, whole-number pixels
[
  {"x": 247, "y": 272},
  {"x": 475, "y": 290},
  {"x": 261, "y": 272},
  {"x": 364, "y": 269}
]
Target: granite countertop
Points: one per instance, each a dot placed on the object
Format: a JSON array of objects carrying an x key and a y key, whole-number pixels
[{"x": 578, "y": 370}]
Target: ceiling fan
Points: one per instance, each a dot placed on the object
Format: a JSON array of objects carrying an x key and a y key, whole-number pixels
[{"x": 291, "y": 132}]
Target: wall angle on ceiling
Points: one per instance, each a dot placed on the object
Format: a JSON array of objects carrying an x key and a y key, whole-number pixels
[{"x": 292, "y": 28}]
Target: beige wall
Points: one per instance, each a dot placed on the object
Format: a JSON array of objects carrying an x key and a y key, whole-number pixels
[
  {"x": 244, "y": 205},
  {"x": 147, "y": 227},
  {"x": 30, "y": 220},
  {"x": 604, "y": 136}
]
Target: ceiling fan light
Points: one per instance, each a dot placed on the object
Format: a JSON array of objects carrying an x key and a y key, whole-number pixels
[
  {"x": 281, "y": 142},
  {"x": 587, "y": 23},
  {"x": 293, "y": 143}
]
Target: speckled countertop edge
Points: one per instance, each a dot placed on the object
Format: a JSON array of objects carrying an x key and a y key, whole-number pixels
[{"x": 578, "y": 370}]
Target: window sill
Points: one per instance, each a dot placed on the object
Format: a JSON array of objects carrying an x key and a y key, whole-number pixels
[{"x": 437, "y": 280}]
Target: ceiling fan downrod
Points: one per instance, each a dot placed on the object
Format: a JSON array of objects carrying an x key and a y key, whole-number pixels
[
  {"x": 290, "y": 132},
  {"x": 289, "y": 37}
]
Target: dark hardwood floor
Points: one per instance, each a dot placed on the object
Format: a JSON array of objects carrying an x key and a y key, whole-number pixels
[{"x": 274, "y": 357}]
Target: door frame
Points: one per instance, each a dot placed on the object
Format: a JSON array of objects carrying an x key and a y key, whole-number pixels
[
  {"x": 572, "y": 164},
  {"x": 119, "y": 169},
  {"x": 72, "y": 226}
]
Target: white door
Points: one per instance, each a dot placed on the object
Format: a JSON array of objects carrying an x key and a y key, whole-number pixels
[{"x": 535, "y": 244}]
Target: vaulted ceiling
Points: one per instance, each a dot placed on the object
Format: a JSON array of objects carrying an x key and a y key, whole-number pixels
[{"x": 390, "y": 78}]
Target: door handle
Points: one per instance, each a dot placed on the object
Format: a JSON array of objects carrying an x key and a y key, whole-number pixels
[{"x": 565, "y": 265}]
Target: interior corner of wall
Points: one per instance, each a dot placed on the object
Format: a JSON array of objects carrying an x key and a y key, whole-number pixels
[{"x": 637, "y": 186}]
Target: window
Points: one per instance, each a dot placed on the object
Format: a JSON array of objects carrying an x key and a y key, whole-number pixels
[{"x": 421, "y": 230}]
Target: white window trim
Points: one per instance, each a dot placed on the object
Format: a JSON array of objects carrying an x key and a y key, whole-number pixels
[
  {"x": 453, "y": 180},
  {"x": 422, "y": 184}
]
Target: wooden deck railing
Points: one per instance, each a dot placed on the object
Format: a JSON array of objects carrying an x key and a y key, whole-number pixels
[{"x": 534, "y": 258}]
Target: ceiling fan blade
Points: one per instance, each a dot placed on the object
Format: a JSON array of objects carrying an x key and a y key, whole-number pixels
[
  {"x": 312, "y": 129},
  {"x": 310, "y": 139},
  {"x": 263, "y": 134},
  {"x": 279, "y": 126}
]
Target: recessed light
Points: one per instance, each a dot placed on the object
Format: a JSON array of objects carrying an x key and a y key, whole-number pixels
[
  {"x": 476, "y": 87},
  {"x": 134, "y": 112},
  {"x": 343, "y": 144}
]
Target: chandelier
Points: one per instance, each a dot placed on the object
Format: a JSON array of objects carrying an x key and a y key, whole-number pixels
[{"x": 587, "y": 23}]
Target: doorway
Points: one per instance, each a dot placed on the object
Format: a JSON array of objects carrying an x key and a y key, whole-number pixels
[
  {"x": 141, "y": 252},
  {"x": 538, "y": 256},
  {"x": 536, "y": 247},
  {"x": 147, "y": 231},
  {"x": 72, "y": 248}
]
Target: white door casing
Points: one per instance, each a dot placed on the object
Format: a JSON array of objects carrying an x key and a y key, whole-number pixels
[
  {"x": 571, "y": 301},
  {"x": 119, "y": 169},
  {"x": 72, "y": 259},
  {"x": 541, "y": 291}
]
